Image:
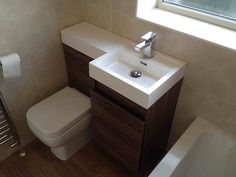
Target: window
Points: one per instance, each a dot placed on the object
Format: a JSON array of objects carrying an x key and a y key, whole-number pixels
[{"x": 220, "y": 12}]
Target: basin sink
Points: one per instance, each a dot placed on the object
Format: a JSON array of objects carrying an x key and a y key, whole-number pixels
[
  {"x": 124, "y": 65},
  {"x": 159, "y": 74}
]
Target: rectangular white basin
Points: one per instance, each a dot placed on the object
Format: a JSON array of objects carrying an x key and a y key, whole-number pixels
[
  {"x": 159, "y": 74},
  {"x": 146, "y": 80}
]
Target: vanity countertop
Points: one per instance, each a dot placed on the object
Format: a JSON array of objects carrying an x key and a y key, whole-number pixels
[{"x": 92, "y": 40}]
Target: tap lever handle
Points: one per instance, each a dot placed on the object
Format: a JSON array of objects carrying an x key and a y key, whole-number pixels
[{"x": 149, "y": 36}]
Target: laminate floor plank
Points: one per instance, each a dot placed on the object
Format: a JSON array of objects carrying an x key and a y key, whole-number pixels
[{"x": 90, "y": 161}]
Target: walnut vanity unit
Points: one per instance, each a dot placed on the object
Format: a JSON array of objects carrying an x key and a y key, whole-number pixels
[{"x": 131, "y": 121}]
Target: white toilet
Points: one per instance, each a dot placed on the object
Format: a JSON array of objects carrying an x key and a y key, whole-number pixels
[{"x": 62, "y": 122}]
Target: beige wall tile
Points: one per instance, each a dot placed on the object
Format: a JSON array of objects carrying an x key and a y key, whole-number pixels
[
  {"x": 230, "y": 122},
  {"x": 45, "y": 68},
  {"x": 194, "y": 102},
  {"x": 98, "y": 15},
  {"x": 212, "y": 68},
  {"x": 49, "y": 82},
  {"x": 27, "y": 7},
  {"x": 69, "y": 12},
  {"x": 50, "y": 59},
  {"x": 11, "y": 40},
  {"x": 127, "y": 7},
  {"x": 39, "y": 36},
  {"x": 173, "y": 43},
  {"x": 8, "y": 10},
  {"x": 129, "y": 27},
  {"x": 103, "y": 3},
  {"x": 124, "y": 26}
]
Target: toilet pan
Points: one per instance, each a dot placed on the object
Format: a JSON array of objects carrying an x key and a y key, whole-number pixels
[{"x": 62, "y": 122}]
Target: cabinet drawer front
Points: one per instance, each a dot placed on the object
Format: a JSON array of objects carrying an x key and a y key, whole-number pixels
[
  {"x": 127, "y": 104},
  {"x": 117, "y": 130},
  {"x": 118, "y": 150}
]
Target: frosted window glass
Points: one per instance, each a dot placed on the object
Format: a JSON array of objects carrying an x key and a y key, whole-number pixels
[{"x": 223, "y": 8}]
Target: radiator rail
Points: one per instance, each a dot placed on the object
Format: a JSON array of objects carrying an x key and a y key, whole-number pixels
[{"x": 8, "y": 132}]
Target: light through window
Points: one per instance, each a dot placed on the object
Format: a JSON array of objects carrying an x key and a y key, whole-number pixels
[{"x": 222, "y": 8}]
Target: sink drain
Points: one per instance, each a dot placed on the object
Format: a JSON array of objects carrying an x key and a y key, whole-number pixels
[{"x": 135, "y": 73}]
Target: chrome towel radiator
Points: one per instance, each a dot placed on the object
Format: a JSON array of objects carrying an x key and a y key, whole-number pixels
[{"x": 8, "y": 131}]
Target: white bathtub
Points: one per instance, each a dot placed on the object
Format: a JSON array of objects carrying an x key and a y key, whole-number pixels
[{"x": 203, "y": 151}]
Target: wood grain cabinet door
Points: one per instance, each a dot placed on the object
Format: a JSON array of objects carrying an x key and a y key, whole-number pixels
[
  {"x": 117, "y": 131},
  {"x": 78, "y": 70}
]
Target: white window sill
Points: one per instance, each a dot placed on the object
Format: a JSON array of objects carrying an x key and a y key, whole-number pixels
[{"x": 212, "y": 33}]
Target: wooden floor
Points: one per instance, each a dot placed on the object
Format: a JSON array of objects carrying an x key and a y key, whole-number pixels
[{"x": 91, "y": 161}]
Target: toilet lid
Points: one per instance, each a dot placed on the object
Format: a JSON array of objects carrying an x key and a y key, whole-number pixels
[{"x": 59, "y": 112}]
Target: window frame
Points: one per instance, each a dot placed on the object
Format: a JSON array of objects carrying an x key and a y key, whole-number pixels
[{"x": 200, "y": 15}]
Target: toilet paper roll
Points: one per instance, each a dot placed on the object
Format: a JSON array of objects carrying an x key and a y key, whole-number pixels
[{"x": 11, "y": 66}]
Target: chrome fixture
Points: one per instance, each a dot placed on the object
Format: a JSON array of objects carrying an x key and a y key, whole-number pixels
[
  {"x": 136, "y": 73},
  {"x": 8, "y": 131},
  {"x": 148, "y": 45}
]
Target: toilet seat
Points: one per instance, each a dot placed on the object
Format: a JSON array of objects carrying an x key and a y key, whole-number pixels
[
  {"x": 65, "y": 136},
  {"x": 58, "y": 113}
]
